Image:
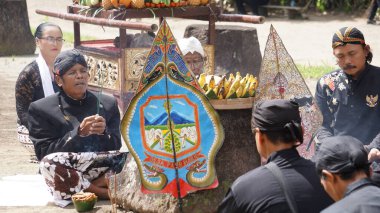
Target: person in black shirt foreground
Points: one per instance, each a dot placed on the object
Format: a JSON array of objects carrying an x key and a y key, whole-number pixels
[
  {"x": 349, "y": 97},
  {"x": 277, "y": 128},
  {"x": 344, "y": 170},
  {"x": 75, "y": 133}
]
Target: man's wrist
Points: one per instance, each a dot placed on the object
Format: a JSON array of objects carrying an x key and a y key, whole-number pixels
[{"x": 80, "y": 132}]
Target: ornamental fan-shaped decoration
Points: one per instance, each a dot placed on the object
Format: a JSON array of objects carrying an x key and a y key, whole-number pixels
[
  {"x": 279, "y": 78},
  {"x": 170, "y": 128}
]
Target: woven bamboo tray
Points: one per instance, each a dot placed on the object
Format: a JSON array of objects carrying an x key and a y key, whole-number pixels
[{"x": 229, "y": 104}]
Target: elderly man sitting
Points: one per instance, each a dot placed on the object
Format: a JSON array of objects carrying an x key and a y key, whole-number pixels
[{"x": 75, "y": 133}]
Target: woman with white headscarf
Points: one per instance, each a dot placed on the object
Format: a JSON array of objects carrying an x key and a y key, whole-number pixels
[{"x": 36, "y": 80}]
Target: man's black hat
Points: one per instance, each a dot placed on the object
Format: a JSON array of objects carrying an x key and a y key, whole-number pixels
[
  {"x": 341, "y": 154},
  {"x": 347, "y": 35},
  {"x": 67, "y": 59},
  {"x": 278, "y": 115}
]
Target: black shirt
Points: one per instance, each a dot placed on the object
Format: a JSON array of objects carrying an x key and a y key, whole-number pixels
[
  {"x": 54, "y": 123},
  {"x": 360, "y": 196},
  {"x": 259, "y": 191},
  {"x": 350, "y": 107}
]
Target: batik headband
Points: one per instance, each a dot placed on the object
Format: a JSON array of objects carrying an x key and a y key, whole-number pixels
[
  {"x": 67, "y": 59},
  {"x": 347, "y": 35}
]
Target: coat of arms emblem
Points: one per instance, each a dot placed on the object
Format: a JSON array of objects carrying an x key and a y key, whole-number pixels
[{"x": 371, "y": 100}]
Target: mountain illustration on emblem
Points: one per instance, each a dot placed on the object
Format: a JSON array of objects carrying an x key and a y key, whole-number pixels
[{"x": 163, "y": 119}]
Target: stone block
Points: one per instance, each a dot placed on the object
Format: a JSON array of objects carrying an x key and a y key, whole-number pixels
[{"x": 236, "y": 47}]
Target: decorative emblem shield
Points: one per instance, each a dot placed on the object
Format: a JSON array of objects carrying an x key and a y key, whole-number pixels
[{"x": 170, "y": 128}]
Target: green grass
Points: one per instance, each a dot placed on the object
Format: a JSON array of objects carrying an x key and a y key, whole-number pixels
[
  {"x": 315, "y": 71},
  {"x": 69, "y": 37}
]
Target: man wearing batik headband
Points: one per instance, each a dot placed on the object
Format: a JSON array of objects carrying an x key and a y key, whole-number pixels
[
  {"x": 276, "y": 125},
  {"x": 75, "y": 133},
  {"x": 344, "y": 170},
  {"x": 349, "y": 96}
]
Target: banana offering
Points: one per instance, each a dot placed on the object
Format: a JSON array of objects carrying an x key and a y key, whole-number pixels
[{"x": 235, "y": 86}]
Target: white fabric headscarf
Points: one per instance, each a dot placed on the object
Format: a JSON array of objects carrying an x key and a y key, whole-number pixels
[
  {"x": 47, "y": 84},
  {"x": 190, "y": 45}
]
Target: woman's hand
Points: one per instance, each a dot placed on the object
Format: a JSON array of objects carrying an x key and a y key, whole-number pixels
[{"x": 94, "y": 124}]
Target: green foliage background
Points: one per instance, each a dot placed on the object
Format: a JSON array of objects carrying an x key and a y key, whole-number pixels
[{"x": 347, "y": 6}]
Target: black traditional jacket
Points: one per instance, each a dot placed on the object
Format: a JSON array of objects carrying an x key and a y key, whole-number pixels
[
  {"x": 350, "y": 107},
  {"x": 360, "y": 196},
  {"x": 259, "y": 190},
  {"x": 54, "y": 123}
]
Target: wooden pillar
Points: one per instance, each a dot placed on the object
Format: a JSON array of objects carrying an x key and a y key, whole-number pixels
[
  {"x": 122, "y": 59},
  {"x": 76, "y": 34},
  {"x": 76, "y": 28},
  {"x": 211, "y": 27}
]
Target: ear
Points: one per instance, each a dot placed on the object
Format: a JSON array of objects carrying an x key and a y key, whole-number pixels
[
  {"x": 327, "y": 176},
  {"x": 367, "y": 49},
  {"x": 58, "y": 80},
  {"x": 205, "y": 58},
  {"x": 258, "y": 136},
  {"x": 37, "y": 42}
]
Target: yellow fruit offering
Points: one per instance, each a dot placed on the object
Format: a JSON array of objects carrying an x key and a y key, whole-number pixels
[
  {"x": 107, "y": 4},
  {"x": 216, "y": 87},
  {"x": 204, "y": 2},
  {"x": 126, "y": 3},
  {"x": 194, "y": 2},
  {"x": 138, "y": 3}
]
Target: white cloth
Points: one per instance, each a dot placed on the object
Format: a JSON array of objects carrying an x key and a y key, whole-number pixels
[
  {"x": 45, "y": 76},
  {"x": 191, "y": 45},
  {"x": 24, "y": 190}
]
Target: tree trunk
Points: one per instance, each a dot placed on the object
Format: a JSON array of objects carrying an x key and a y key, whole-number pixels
[{"x": 15, "y": 35}]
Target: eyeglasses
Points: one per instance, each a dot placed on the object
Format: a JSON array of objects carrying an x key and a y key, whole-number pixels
[
  {"x": 52, "y": 40},
  {"x": 195, "y": 64}
]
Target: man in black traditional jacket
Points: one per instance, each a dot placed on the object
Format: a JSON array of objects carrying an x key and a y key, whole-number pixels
[
  {"x": 277, "y": 128},
  {"x": 344, "y": 169},
  {"x": 75, "y": 133},
  {"x": 349, "y": 97}
]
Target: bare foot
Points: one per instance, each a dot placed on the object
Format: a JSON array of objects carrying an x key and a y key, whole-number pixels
[
  {"x": 100, "y": 182},
  {"x": 101, "y": 192}
]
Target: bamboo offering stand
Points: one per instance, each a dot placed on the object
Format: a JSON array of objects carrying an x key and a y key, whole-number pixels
[{"x": 120, "y": 77}]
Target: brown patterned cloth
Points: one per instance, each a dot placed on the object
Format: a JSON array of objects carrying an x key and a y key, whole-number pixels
[{"x": 67, "y": 173}]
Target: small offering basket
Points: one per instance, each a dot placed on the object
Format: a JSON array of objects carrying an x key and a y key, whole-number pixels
[{"x": 84, "y": 201}]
